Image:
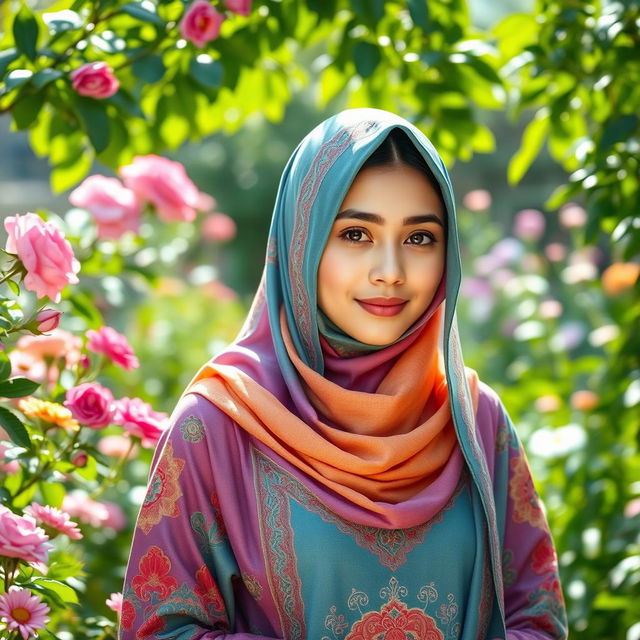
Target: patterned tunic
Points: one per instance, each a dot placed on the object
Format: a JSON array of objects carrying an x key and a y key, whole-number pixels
[{"x": 233, "y": 543}]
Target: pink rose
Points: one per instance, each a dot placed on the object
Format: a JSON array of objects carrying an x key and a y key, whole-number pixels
[
  {"x": 219, "y": 227},
  {"x": 115, "y": 208},
  {"x": 79, "y": 505},
  {"x": 243, "y": 7},
  {"x": 48, "y": 320},
  {"x": 45, "y": 253},
  {"x": 53, "y": 520},
  {"x": 117, "y": 446},
  {"x": 139, "y": 419},
  {"x": 529, "y": 224},
  {"x": 166, "y": 185},
  {"x": 21, "y": 538},
  {"x": 91, "y": 404},
  {"x": 114, "y": 602},
  {"x": 477, "y": 200},
  {"x": 573, "y": 216},
  {"x": 114, "y": 345},
  {"x": 201, "y": 23},
  {"x": 116, "y": 519},
  {"x": 95, "y": 80}
]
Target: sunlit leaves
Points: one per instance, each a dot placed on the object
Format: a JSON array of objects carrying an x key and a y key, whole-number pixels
[
  {"x": 25, "y": 31},
  {"x": 532, "y": 141}
]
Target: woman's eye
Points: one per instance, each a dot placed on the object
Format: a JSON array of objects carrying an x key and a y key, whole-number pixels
[
  {"x": 352, "y": 235},
  {"x": 423, "y": 238}
]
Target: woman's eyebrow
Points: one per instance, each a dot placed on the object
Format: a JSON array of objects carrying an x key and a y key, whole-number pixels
[{"x": 377, "y": 219}]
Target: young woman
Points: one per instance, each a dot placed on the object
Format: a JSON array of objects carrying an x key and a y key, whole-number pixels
[{"x": 337, "y": 473}]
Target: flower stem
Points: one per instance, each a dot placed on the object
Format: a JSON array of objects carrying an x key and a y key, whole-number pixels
[{"x": 114, "y": 477}]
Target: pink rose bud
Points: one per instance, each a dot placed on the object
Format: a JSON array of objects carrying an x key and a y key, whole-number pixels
[
  {"x": 115, "y": 208},
  {"x": 48, "y": 319},
  {"x": 95, "y": 80},
  {"x": 91, "y": 404},
  {"x": 243, "y": 7},
  {"x": 201, "y": 23},
  {"x": 79, "y": 459},
  {"x": 45, "y": 253}
]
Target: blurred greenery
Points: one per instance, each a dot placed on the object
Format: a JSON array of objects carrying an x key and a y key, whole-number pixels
[{"x": 537, "y": 322}]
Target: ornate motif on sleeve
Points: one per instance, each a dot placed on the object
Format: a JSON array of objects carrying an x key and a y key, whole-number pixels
[
  {"x": 253, "y": 585},
  {"x": 192, "y": 429},
  {"x": 154, "y": 575},
  {"x": 163, "y": 492},
  {"x": 395, "y": 620},
  {"x": 526, "y": 504}
]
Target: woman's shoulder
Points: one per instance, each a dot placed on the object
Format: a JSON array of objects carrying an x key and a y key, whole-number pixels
[{"x": 194, "y": 411}]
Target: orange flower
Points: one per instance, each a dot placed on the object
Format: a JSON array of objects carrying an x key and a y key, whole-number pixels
[
  {"x": 48, "y": 411},
  {"x": 619, "y": 277},
  {"x": 584, "y": 400}
]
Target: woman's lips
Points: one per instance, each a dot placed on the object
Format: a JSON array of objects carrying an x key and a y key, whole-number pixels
[{"x": 382, "y": 310}]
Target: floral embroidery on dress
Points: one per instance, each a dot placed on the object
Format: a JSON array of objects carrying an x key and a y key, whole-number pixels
[
  {"x": 546, "y": 608},
  {"x": 127, "y": 615},
  {"x": 395, "y": 620},
  {"x": 209, "y": 593},
  {"x": 526, "y": 504},
  {"x": 543, "y": 558},
  {"x": 154, "y": 568},
  {"x": 149, "y": 628},
  {"x": 163, "y": 492},
  {"x": 253, "y": 585},
  {"x": 192, "y": 429}
]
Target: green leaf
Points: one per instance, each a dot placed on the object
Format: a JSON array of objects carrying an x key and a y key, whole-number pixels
[
  {"x": 95, "y": 120},
  {"x": 150, "y": 68},
  {"x": 206, "y": 71},
  {"x": 532, "y": 140},
  {"x": 137, "y": 10},
  {"x": 17, "y": 77},
  {"x": 70, "y": 172},
  {"x": 366, "y": 57},
  {"x": 14, "y": 427},
  {"x": 419, "y": 12},
  {"x": 53, "y": 493},
  {"x": 45, "y": 76},
  {"x": 83, "y": 304},
  {"x": 25, "y": 32},
  {"x": 14, "y": 286},
  {"x": 6, "y": 58},
  {"x": 5, "y": 366},
  {"x": 618, "y": 129},
  {"x": 17, "y": 387},
  {"x": 61, "y": 21},
  {"x": 25, "y": 114},
  {"x": 63, "y": 591}
]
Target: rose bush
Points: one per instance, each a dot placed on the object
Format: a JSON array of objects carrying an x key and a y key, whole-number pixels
[{"x": 55, "y": 462}]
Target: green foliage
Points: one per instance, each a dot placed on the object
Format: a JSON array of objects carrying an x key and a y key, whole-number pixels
[{"x": 172, "y": 91}]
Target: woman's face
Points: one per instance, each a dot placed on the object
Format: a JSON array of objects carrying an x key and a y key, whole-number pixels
[{"x": 387, "y": 247}]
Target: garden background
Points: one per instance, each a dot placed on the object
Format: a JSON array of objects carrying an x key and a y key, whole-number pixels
[{"x": 534, "y": 107}]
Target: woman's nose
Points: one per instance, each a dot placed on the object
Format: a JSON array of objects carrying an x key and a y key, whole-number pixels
[{"x": 388, "y": 267}]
